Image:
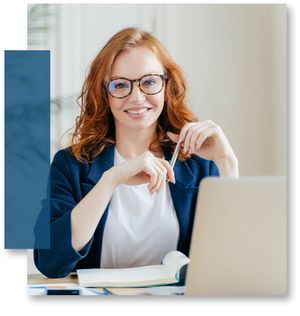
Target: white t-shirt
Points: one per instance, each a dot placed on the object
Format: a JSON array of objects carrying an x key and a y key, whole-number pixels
[{"x": 140, "y": 228}]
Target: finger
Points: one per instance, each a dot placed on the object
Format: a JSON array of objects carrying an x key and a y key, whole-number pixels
[
  {"x": 205, "y": 134},
  {"x": 200, "y": 140},
  {"x": 187, "y": 142},
  {"x": 156, "y": 171},
  {"x": 193, "y": 134},
  {"x": 170, "y": 172},
  {"x": 184, "y": 131},
  {"x": 197, "y": 134},
  {"x": 173, "y": 137},
  {"x": 161, "y": 175},
  {"x": 152, "y": 174},
  {"x": 167, "y": 171}
]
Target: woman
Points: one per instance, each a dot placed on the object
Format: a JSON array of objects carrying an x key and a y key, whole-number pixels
[{"x": 115, "y": 200}]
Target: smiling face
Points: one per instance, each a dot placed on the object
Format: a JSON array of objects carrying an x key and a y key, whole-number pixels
[{"x": 137, "y": 111}]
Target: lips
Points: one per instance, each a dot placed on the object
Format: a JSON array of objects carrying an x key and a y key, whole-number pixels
[{"x": 137, "y": 110}]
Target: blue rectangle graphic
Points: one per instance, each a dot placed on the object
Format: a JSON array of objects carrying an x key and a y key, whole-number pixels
[{"x": 27, "y": 148}]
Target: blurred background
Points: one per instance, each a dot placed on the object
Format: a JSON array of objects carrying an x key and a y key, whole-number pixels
[{"x": 234, "y": 58}]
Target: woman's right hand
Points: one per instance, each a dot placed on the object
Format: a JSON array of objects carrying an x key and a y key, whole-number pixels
[{"x": 145, "y": 168}]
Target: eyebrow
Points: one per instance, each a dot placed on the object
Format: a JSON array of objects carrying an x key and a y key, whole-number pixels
[{"x": 122, "y": 77}]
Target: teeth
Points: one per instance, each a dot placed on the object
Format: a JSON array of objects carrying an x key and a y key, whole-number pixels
[{"x": 137, "y": 112}]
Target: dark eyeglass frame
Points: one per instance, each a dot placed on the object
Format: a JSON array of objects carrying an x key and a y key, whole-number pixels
[{"x": 132, "y": 81}]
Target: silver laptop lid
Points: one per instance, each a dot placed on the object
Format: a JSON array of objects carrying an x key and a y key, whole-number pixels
[{"x": 239, "y": 238}]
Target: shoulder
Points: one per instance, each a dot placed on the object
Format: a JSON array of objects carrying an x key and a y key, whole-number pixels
[
  {"x": 64, "y": 155},
  {"x": 66, "y": 162}
]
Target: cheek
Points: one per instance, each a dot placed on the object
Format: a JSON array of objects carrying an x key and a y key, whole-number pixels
[
  {"x": 115, "y": 104},
  {"x": 158, "y": 101}
]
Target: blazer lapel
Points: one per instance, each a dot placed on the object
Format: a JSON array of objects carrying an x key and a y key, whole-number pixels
[
  {"x": 183, "y": 174},
  {"x": 183, "y": 193},
  {"x": 101, "y": 163}
]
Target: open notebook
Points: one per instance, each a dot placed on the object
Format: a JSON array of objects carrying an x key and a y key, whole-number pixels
[{"x": 166, "y": 273}]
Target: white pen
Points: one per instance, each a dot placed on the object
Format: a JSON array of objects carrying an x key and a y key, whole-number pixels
[{"x": 175, "y": 154}]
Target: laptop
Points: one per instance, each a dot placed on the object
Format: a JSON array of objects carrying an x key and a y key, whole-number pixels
[{"x": 239, "y": 240}]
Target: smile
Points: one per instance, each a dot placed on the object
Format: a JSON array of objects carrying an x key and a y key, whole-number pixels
[{"x": 137, "y": 112}]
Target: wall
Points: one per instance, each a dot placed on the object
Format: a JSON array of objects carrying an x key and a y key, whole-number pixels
[{"x": 234, "y": 57}]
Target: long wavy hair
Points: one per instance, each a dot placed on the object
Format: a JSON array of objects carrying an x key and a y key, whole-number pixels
[{"x": 95, "y": 128}]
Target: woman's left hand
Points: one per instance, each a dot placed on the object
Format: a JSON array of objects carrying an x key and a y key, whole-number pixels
[{"x": 207, "y": 140}]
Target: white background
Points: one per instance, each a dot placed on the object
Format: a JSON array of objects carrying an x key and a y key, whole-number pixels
[{"x": 13, "y": 269}]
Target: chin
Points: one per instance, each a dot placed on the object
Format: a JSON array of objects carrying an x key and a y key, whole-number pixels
[{"x": 139, "y": 127}]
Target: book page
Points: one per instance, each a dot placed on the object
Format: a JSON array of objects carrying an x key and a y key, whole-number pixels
[
  {"x": 124, "y": 276},
  {"x": 174, "y": 261}
]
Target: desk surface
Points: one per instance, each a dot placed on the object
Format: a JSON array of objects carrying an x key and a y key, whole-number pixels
[{"x": 36, "y": 279}]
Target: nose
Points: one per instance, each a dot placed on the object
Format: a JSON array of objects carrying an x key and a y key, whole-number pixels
[{"x": 136, "y": 93}]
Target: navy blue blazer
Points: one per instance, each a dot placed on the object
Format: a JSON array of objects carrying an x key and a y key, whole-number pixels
[{"x": 71, "y": 180}]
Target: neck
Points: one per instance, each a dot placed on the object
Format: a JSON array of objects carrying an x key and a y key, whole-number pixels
[{"x": 133, "y": 143}]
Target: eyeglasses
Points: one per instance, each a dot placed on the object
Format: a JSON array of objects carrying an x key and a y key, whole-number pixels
[{"x": 122, "y": 87}]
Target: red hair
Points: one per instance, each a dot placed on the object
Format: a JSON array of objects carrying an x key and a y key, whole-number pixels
[{"x": 95, "y": 128}]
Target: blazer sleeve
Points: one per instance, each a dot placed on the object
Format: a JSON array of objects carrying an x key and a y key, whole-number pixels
[
  {"x": 213, "y": 169},
  {"x": 61, "y": 258}
]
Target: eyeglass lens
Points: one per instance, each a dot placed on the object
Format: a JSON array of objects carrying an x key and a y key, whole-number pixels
[{"x": 151, "y": 84}]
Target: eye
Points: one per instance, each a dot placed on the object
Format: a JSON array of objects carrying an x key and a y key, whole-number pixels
[
  {"x": 149, "y": 81},
  {"x": 120, "y": 85}
]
